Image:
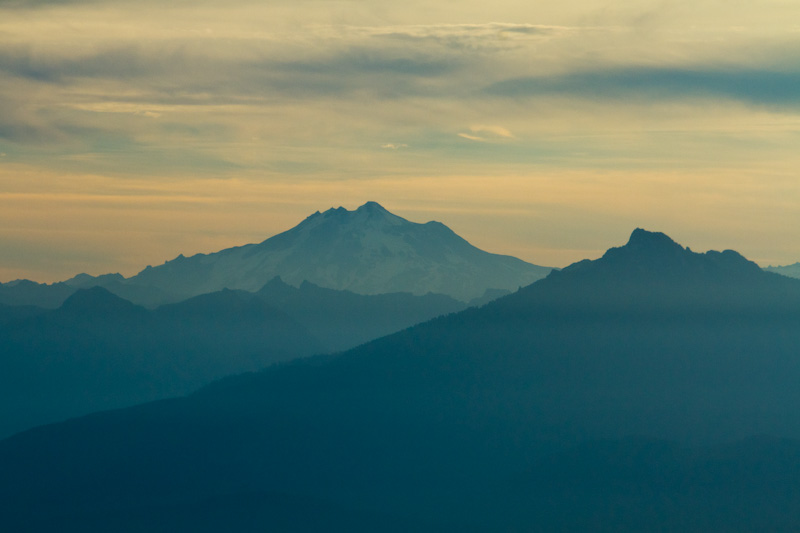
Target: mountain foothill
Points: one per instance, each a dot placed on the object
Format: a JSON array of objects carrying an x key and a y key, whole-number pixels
[{"x": 652, "y": 389}]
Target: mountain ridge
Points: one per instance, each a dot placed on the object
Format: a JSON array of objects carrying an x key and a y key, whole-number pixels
[
  {"x": 98, "y": 350},
  {"x": 585, "y": 408}
]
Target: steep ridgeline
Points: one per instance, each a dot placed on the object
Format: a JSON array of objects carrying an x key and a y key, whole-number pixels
[
  {"x": 629, "y": 393},
  {"x": 367, "y": 251}
]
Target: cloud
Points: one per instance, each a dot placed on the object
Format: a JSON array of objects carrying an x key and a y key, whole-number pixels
[
  {"x": 118, "y": 62},
  {"x": 753, "y": 86},
  {"x": 393, "y": 146},
  {"x": 205, "y": 72},
  {"x": 367, "y": 60},
  {"x": 498, "y": 131},
  {"x": 487, "y": 133},
  {"x": 470, "y": 36}
]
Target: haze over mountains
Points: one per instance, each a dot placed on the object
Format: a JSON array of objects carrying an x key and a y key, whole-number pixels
[
  {"x": 366, "y": 251},
  {"x": 98, "y": 351},
  {"x": 652, "y": 389}
]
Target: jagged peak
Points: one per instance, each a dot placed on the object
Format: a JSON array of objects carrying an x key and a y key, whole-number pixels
[
  {"x": 651, "y": 247},
  {"x": 656, "y": 256},
  {"x": 276, "y": 286},
  {"x": 275, "y": 283},
  {"x": 643, "y": 239},
  {"x": 370, "y": 211},
  {"x": 372, "y": 207}
]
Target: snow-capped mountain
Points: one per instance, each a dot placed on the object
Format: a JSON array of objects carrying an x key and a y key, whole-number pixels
[{"x": 368, "y": 251}]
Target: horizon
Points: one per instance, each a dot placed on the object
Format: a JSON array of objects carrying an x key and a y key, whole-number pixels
[
  {"x": 353, "y": 210},
  {"x": 131, "y": 133}
]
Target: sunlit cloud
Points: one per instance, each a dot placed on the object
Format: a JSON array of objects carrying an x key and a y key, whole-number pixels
[
  {"x": 471, "y": 137},
  {"x": 487, "y": 133}
]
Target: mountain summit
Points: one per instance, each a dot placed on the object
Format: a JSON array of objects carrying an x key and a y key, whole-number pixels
[
  {"x": 368, "y": 251},
  {"x": 652, "y": 271},
  {"x": 655, "y": 257}
]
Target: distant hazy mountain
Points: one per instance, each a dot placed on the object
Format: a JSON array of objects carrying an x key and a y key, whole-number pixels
[
  {"x": 368, "y": 251},
  {"x": 26, "y": 292},
  {"x": 791, "y": 271},
  {"x": 52, "y": 295},
  {"x": 629, "y": 393},
  {"x": 139, "y": 294},
  {"x": 343, "y": 319}
]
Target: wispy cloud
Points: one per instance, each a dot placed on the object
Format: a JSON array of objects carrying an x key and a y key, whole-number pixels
[
  {"x": 484, "y": 133},
  {"x": 754, "y": 86},
  {"x": 466, "y": 36},
  {"x": 120, "y": 62},
  {"x": 471, "y": 137}
]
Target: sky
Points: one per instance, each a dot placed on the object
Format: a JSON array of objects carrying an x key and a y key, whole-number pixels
[{"x": 133, "y": 131}]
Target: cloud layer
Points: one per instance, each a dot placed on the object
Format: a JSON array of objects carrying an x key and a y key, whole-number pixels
[{"x": 323, "y": 92}]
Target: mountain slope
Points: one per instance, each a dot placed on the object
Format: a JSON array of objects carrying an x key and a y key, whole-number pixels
[
  {"x": 99, "y": 351},
  {"x": 368, "y": 251},
  {"x": 514, "y": 416}
]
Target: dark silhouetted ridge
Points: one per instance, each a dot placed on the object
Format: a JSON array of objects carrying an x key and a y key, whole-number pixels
[
  {"x": 622, "y": 394},
  {"x": 643, "y": 239},
  {"x": 655, "y": 257},
  {"x": 97, "y": 300}
]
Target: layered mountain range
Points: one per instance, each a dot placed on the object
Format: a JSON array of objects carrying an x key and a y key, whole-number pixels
[
  {"x": 366, "y": 251},
  {"x": 653, "y": 389},
  {"x": 98, "y": 351}
]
